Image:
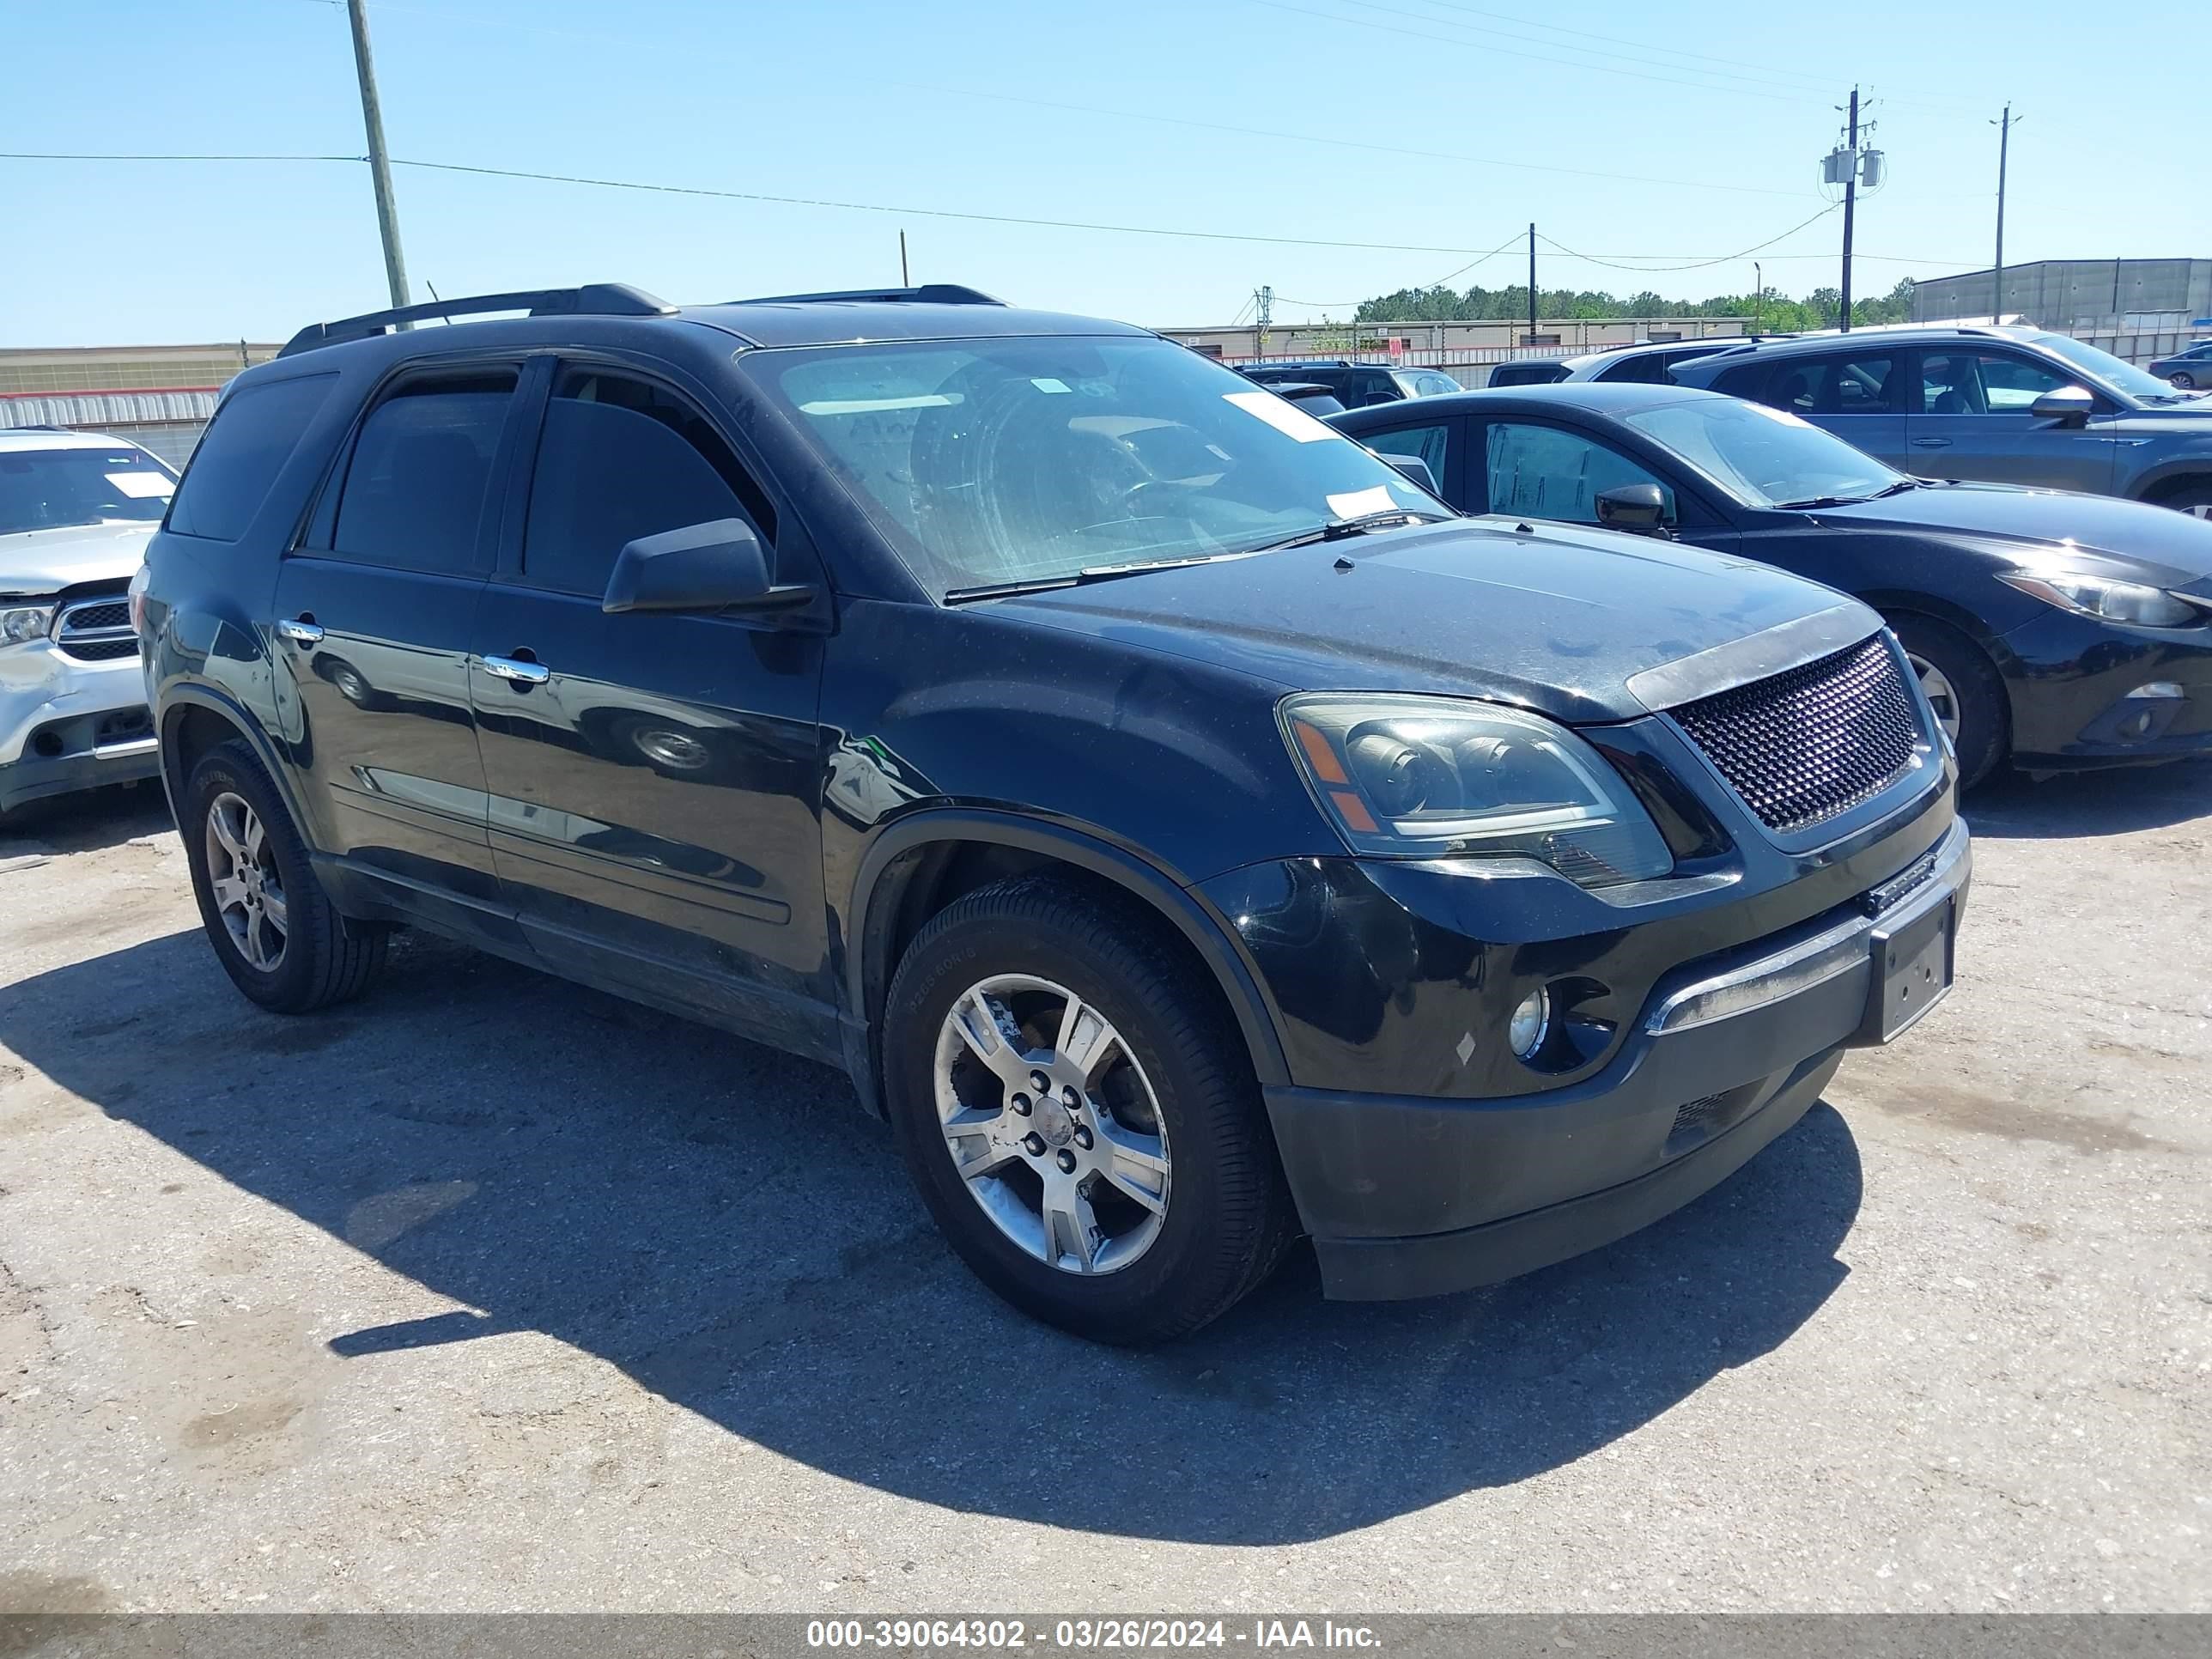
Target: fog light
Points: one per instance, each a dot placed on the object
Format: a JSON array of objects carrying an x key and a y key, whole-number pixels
[{"x": 1531, "y": 1021}]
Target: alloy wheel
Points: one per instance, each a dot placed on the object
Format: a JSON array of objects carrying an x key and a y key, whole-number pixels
[
  {"x": 1052, "y": 1123},
  {"x": 1942, "y": 695},
  {"x": 249, "y": 889},
  {"x": 679, "y": 751}
]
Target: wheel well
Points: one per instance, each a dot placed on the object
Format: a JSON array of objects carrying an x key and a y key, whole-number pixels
[
  {"x": 920, "y": 882},
  {"x": 191, "y": 733},
  {"x": 2167, "y": 489}
]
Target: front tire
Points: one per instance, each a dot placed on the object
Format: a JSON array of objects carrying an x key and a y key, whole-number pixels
[
  {"x": 1963, "y": 688},
  {"x": 1135, "y": 1194},
  {"x": 2194, "y": 498},
  {"x": 274, "y": 930}
]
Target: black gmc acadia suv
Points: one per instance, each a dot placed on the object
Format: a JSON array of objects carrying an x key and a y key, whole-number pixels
[{"x": 1182, "y": 828}]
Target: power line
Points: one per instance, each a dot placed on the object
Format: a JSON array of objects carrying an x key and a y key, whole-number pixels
[
  {"x": 634, "y": 40},
  {"x": 939, "y": 213},
  {"x": 1696, "y": 264}
]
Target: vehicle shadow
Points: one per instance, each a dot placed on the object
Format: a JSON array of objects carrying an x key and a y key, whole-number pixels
[
  {"x": 723, "y": 1224},
  {"x": 2119, "y": 802},
  {"x": 88, "y": 821}
]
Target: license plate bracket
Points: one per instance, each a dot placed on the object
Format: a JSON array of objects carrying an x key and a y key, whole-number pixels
[{"x": 1912, "y": 971}]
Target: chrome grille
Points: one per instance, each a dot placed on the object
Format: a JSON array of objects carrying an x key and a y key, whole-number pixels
[
  {"x": 96, "y": 630},
  {"x": 1810, "y": 742}
]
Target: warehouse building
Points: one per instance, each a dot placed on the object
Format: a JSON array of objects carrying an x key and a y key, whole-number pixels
[
  {"x": 158, "y": 396},
  {"x": 2137, "y": 309}
]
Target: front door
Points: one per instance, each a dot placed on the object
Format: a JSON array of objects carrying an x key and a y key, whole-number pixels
[
  {"x": 1973, "y": 419},
  {"x": 373, "y": 614},
  {"x": 654, "y": 777}
]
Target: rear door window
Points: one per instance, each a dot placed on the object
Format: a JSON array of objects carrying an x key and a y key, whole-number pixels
[
  {"x": 1547, "y": 472},
  {"x": 416, "y": 487},
  {"x": 239, "y": 456},
  {"x": 1431, "y": 443},
  {"x": 1832, "y": 385},
  {"x": 621, "y": 458}
]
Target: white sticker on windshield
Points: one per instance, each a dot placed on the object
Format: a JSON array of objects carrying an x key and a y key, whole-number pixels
[
  {"x": 1784, "y": 415},
  {"x": 139, "y": 486},
  {"x": 1047, "y": 384},
  {"x": 1353, "y": 502},
  {"x": 1283, "y": 416}
]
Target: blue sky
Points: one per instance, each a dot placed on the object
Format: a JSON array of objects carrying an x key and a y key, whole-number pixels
[{"x": 1098, "y": 111}]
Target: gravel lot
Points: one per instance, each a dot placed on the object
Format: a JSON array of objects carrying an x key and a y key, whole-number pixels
[{"x": 488, "y": 1292}]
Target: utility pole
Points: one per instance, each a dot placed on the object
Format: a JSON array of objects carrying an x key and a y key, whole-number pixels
[
  {"x": 380, "y": 165},
  {"x": 1263, "y": 318},
  {"x": 1532, "y": 284},
  {"x": 1758, "y": 297},
  {"x": 904, "y": 280},
  {"x": 1996, "y": 278},
  {"x": 1851, "y": 205}
]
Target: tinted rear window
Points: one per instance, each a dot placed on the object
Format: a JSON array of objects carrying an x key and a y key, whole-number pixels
[
  {"x": 254, "y": 434},
  {"x": 415, "y": 490}
]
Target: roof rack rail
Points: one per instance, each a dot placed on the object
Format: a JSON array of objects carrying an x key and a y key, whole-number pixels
[
  {"x": 592, "y": 299},
  {"x": 929, "y": 293}
]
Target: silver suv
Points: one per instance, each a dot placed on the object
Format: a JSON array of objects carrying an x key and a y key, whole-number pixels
[
  {"x": 1997, "y": 405},
  {"x": 75, "y": 511}
]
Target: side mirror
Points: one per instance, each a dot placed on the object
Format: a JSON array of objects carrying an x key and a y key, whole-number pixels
[
  {"x": 1637, "y": 508},
  {"x": 2068, "y": 405},
  {"x": 717, "y": 566},
  {"x": 1418, "y": 470}
]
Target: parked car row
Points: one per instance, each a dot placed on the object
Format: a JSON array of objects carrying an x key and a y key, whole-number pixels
[
  {"x": 1174, "y": 812},
  {"x": 2054, "y": 631}
]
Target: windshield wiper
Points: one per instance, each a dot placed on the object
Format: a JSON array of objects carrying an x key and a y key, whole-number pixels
[
  {"x": 1360, "y": 524},
  {"x": 1094, "y": 573},
  {"x": 1897, "y": 489}
]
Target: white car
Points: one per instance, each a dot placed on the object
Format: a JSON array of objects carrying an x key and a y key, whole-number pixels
[{"x": 76, "y": 509}]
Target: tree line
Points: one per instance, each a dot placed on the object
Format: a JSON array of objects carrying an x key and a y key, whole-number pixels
[{"x": 1772, "y": 310}]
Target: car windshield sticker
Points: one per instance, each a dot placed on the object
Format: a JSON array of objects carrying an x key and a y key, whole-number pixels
[
  {"x": 139, "y": 486},
  {"x": 1285, "y": 417},
  {"x": 1353, "y": 502},
  {"x": 1047, "y": 384}
]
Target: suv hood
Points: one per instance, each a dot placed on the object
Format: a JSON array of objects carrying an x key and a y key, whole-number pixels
[
  {"x": 38, "y": 561},
  {"x": 2132, "y": 540},
  {"x": 1578, "y": 625}
]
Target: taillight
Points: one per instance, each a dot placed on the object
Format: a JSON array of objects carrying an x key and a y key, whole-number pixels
[{"x": 137, "y": 596}]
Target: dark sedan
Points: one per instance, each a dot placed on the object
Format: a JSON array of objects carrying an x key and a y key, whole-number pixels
[
  {"x": 2053, "y": 629},
  {"x": 2189, "y": 370}
]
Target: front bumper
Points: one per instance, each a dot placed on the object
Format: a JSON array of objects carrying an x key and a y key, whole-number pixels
[
  {"x": 2080, "y": 701},
  {"x": 1412, "y": 1196},
  {"x": 67, "y": 725}
]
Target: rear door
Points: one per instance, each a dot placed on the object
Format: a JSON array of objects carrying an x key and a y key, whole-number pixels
[
  {"x": 1972, "y": 419},
  {"x": 1858, "y": 395},
  {"x": 654, "y": 777},
  {"x": 373, "y": 611}
]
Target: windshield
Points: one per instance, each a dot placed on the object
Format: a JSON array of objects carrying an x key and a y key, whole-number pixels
[
  {"x": 46, "y": 488},
  {"x": 1764, "y": 457},
  {"x": 2115, "y": 375},
  {"x": 1027, "y": 460}
]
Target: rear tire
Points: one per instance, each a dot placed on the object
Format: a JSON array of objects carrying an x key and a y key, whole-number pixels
[
  {"x": 2183, "y": 381},
  {"x": 273, "y": 929},
  {"x": 1171, "y": 1090},
  {"x": 1963, "y": 686}
]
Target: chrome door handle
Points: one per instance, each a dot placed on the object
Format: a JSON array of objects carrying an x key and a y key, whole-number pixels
[
  {"x": 514, "y": 669},
  {"x": 1932, "y": 443},
  {"x": 306, "y": 631}
]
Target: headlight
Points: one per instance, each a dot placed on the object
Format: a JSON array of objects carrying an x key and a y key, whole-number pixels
[
  {"x": 1437, "y": 777},
  {"x": 21, "y": 624},
  {"x": 2107, "y": 600}
]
